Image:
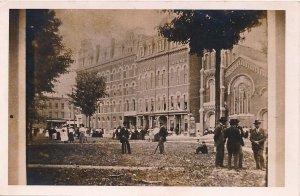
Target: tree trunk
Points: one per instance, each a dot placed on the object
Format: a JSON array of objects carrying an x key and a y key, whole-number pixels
[{"x": 217, "y": 86}]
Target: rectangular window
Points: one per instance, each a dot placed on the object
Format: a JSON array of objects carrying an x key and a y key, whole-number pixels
[
  {"x": 62, "y": 115},
  {"x": 62, "y": 106},
  {"x": 56, "y": 105}
]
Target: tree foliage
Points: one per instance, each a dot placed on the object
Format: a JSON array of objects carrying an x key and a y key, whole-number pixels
[
  {"x": 46, "y": 56},
  {"x": 208, "y": 30},
  {"x": 88, "y": 90}
]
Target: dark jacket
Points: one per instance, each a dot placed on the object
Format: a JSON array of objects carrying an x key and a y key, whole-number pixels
[
  {"x": 124, "y": 134},
  {"x": 163, "y": 133},
  {"x": 219, "y": 135},
  {"x": 259, "y": 136},
  {"x": 233, "y": 136}
]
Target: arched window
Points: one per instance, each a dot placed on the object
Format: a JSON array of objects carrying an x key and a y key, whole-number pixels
[
  {"x": 113, "y": 106},
  {"x": 152, "y": 105},
  {"x": 178, "y": 75},
  {"x": 240, "y": 92},
  {"x": 146, "y": 81},
  {"x": 211, "y": 90},
  {"x": 133, "y": 104},
  {"x": 158, "y": 79},
  {"x": 146, "y": 105},
  {"x": 158, "y": 103},
  {"x": 178, "y": 102},
  {"x": 184, "y": 74},
  {"x": 185, "y": 102},
  {"x": 151, "y": 80},
  {"x": 172, "y": 76},
  {"x": 120, "y": 106},
  {"x": 127, "y": 106}
]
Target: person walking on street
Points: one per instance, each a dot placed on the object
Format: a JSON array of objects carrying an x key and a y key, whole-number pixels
[
  {"x": 219, "y": 142},
  {"x": 162, "y": 134},
  {"x": 124, "y": 135},
  {"x": 258, "y": 138},
  {"x": 233, "y": 136}
]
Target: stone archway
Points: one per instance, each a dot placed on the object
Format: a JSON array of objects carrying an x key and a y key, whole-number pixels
[
  {"x": 262, "y": 115},
  {"x": 209, "y": 120}
]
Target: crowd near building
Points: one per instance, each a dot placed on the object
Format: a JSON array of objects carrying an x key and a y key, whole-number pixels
[{"x": 148, "y": 77}]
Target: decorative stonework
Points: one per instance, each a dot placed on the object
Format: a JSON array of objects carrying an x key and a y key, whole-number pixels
[{"x": 242, "y": 62}]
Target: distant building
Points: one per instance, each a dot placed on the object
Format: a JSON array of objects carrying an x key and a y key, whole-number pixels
[{"x": 58, "y": 110}]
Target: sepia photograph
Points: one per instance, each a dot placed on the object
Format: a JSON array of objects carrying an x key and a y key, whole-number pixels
[{"x": 176, "y": 97}]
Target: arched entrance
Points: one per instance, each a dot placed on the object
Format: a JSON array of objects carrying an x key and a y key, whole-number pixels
[
  {"x": 263, "y": 116},
  {"x": 210, "y": 120}
]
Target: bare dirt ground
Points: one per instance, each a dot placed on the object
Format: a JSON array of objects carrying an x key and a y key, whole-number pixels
[{"x": 100, "y": 162}]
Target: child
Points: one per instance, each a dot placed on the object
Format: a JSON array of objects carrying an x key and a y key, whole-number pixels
[{"x": 202, "y": 148}]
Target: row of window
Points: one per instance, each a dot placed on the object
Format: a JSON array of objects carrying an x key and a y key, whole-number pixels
[
  {"x": 117, "y": 75},
  {"x": 147, "y": 105},
  {"x": 55, "y": 106},
  {"x": 149, "y": 81},
  {"x": 159, "y": 46},
  {"x": 57, "y": 115}
]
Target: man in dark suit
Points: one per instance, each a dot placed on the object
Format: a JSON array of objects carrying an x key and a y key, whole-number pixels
[
  {"x": 233, "y": 136},
  {"x": 219, "y": 142},
  {"x": 124, "y": 135},
  {"x": 258, "y": 138},
  {"x": 162, "y": 134}
]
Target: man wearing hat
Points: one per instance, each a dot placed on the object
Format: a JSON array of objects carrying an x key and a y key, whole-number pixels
[
  {"x": 233, "y": 136},
  {"x": 258, "y": 138},
  {"x": 162, "y": 134},
  {"x": 124, "y": 135},
  {"x": 219, "y": 142}
]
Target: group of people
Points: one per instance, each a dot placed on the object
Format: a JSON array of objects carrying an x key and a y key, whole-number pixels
[
  {"x": 64, "y": 133},
  {"x": 124, "y": 134},
  {"x": 134, "y": 133},
  {"x": 234, "y": 136}
]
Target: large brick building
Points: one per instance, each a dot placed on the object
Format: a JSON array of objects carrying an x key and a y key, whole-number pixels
[{"x": 148, "y": 77}]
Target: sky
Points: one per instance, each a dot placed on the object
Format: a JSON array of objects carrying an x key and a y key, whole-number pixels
[{"x": 101, "y": 25}]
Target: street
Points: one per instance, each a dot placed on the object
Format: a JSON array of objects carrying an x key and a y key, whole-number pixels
[{"x": 100, "y": 162}]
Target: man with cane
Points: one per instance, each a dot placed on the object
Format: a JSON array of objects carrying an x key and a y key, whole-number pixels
[{"x": 162, "y": 134}]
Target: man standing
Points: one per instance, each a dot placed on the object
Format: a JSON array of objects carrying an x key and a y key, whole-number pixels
[
  {"x": 258, "y": 138},
  {"x": 233, "y": 143},
  {"x": 162, "y": 134},
  {"x": 124, "y": 135},
  {"x": 219, "y": 142}
]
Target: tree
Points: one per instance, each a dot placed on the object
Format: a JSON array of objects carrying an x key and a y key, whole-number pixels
[
  {"x": 208, "y": 30},
  {"x": 46, "y": 58},
  {"x": 88, "y": 90}
]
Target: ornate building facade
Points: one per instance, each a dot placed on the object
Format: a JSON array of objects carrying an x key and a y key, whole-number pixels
[
  {"x": 244, "y": 86},
  {"x": 148, "y": 77}
]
